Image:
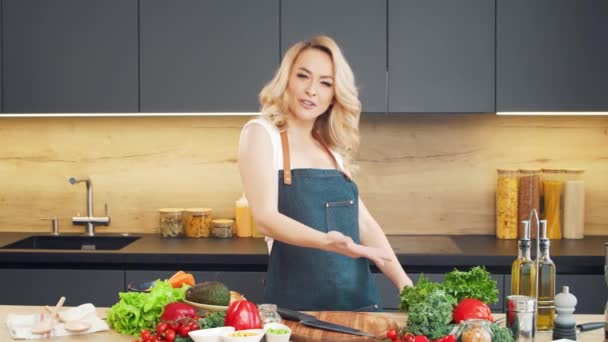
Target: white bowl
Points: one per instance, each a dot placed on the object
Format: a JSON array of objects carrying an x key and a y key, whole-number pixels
[
  {"x": 210, "y": 335},
  {"x": 270, "y": 337},
  {"x": 259, "y": 333}
]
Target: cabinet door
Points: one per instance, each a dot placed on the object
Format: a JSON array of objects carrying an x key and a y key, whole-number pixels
[
  {"x": 551, "y": 55},
  {"x": 206, "y": 55},
  {"x": 359, "y": 28},
  {"x": 46, "y": 286},
  {"x": 70, "y": 56},
  {"x": 250, "y": 284},
  {"x": 441, "y": 56}
]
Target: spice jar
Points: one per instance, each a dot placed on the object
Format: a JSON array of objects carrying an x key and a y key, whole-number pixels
[
  {"x": 528, "y": 197},
  {"x": 574, "y": 204},
  {"x": 506, "y": 204},
  {"x": 552, "y": 193},
  {"x": 222, "y": 228},
  {"x": 196, "y": 222},
  {"x": 170, "y": 224},
  {"x": 269, "y": 314},
  {"x": 476, "y": 330}
]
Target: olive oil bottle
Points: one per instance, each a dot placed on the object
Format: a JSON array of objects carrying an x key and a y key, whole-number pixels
[
  {"x": 546, "y": 284},
  {"x": 523, "y": 269}
]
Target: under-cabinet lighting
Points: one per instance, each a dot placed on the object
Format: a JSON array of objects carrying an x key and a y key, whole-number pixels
[
  {"x": 78, "y": 115},
  {"x": 554, "y": 113}
]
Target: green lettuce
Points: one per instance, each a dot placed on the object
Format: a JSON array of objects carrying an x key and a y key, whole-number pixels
[{"x": 137, "y": 311}]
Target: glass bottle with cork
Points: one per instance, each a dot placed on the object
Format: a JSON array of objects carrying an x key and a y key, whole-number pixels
[
  {"x": 528, "y": 197},
  {"x": 552, "y": 192},
  {"x": 574, "y": 204},
  {"x": 523, "y": 269},
  {"x": 506, "y": 203},
  {"x": 546, "y": 283}
]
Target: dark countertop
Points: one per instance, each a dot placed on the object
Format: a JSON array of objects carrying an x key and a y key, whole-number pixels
[{"x": 417, "y": 253}]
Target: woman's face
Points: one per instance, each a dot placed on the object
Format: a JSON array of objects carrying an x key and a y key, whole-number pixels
[{"x": 310, "y": 88}]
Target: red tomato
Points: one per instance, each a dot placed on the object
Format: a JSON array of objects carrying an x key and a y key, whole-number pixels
[
  {"x": 183, "y": 331},
  {"x": 392, "y": 334},
  {"x": 161, "y": 327},
  {"x": 145, "y": 335},
  {"x": 409, "y": 337},
  {"x": 421, "y": 338},
  {"x": 170, "y": 335}
]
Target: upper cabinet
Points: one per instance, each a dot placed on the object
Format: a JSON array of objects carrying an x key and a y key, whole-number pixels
[
  {"x": 552, "y": 55},
  {"x": 359, "y": 28},
  {"x": 206, "y": 55},
  {"x": 441, "y": 56},
  {"x": 69, "y": 56}
]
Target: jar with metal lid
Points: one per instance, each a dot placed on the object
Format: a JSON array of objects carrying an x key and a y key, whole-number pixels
[
  {"x": 574, "y": 204},
  {"x": 269, "y": 314},
  {"x": 528, "y": 197},
  {"x": 476, "y": 330},
  {"x": 506, "y": 204},
  {"x": 552, "y": 183},
  {"x": 521, "y": 319},
  {"x": 197, "y": 222},
  {"x": 170, "y": 223},
  {"x": 222, "y": 228}
]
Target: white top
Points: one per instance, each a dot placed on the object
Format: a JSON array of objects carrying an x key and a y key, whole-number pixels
[{"x": 275, "y": 140}]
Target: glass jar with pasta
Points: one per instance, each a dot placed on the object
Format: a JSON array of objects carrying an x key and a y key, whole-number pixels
[
  {"x": 197, "y": 222},
  {"x": 170, "y": 223},
  {"x": 552, "y": 196},
  {"x": 506, "y": 204},
  {"x": 528, "y": 198}
]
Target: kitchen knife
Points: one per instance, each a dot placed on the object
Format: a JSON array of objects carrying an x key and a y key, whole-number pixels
[
  {"x": 313, "y": 322},
  {"x": 589, "y": 326}
]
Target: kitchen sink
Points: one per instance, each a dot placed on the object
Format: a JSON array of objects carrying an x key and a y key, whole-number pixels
[{"x": 66, "y": 242}]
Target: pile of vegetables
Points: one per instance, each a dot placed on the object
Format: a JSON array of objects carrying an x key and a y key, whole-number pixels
[{"x": 433, "y": 307}]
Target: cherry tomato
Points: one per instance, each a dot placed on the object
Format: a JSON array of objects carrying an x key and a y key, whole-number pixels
[
  {"x": 409, "y": 337},
  {"x": 161, "y": 327},
  {"x": 183, "y": 331},
  {"x": 170, "y": 335},
  {"x": 145, "y": 334},
  {"x": 392, "y": 334}
]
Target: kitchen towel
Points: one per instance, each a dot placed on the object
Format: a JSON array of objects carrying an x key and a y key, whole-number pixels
[{"x": 20, "y": 326}]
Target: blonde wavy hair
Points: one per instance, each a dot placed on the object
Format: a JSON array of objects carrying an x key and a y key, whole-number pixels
[{"x": 338, "y": 127}]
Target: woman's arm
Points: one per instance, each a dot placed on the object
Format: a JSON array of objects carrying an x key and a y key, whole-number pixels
[
  {"x": 260, "y": 183},
  {"x": 373, "y": 236}
]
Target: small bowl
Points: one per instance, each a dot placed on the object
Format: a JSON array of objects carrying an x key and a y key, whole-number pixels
[
  {"x": 259, "y": 333},
  {"x": 271, "y": 337},
  {"x": 142, "y": 286},
  {"x": 210, "y": 335}
]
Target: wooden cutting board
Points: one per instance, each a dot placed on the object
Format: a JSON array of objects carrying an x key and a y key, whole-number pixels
[{"x": 374, "y": 323}]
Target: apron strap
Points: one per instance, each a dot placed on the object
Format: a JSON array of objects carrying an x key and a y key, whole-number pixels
[
  {"x": 286, "y": 160},
  {"x": 322, "y": 142}
]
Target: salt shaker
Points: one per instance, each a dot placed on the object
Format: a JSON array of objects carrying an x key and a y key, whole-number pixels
[
  {"x": 565, "y": 325},
  {"x": 521, "y": 318}
]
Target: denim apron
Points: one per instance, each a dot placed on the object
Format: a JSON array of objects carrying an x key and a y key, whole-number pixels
[{"x": 302, "y": 278}]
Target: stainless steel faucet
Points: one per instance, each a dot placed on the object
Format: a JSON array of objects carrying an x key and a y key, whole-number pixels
[{"x": 89, "y": 221}]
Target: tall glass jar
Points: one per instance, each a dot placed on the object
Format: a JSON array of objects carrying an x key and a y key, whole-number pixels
[
  {"x": 528, "y": 194},
  {"x": 170, "y": 223},
  {"x": 552, "y": 193},
  {"x": 197, "y": 222},
  {"x": 506, "y": 204},
  {"x": 574, "y": 204}
]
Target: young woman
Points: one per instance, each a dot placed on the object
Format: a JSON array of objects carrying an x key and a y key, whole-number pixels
[{"x": 295, "y": 163}]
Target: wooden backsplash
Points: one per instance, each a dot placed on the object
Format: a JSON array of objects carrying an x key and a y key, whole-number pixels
[{"x": 419, "y": 174}]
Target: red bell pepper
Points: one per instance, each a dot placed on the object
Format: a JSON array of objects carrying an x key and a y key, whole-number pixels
[
  {"x": 446, "y": 338},
  {"x": 176, "y": 310},
  {"x": 242, "y": 315},
  {"x": 471, "y": 308}
]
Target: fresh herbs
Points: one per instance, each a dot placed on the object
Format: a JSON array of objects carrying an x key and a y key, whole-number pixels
[
  {"x": 501, "y": 334},
  {"x": 431, "y": 316},
  {"x": 412, "y": 295},
  {"x": 212, "y": 320},
  {"x": 475, "y": 283}
]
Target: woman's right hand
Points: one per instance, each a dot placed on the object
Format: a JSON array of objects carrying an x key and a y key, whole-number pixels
[{"x": 344, "y": 245}]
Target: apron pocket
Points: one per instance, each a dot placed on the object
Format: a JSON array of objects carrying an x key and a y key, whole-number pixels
[{"x": 342, "y": 216}]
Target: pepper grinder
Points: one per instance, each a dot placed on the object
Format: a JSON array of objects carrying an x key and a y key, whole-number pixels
[{"x": 565, "y": 324}]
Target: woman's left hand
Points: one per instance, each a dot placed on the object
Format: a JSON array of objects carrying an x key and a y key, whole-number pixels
[{"x": 346, "y": 246}]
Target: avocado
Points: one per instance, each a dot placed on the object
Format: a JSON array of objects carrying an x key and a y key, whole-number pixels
[{"x": 209, "y": 292}]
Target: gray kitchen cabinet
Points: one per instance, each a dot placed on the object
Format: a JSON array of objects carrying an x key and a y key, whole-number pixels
[
  {"x": 69, "y": 56},
  {"x": 250, "y": 284},
  {"x": 46, "y": 286},
  {"x": 589, "y": 289},
  {"x": 391, "y": 296},
  {"x": 360, "y": 31},
  {"x": 441, "y": 56},
  {"x": 206, "y": 55},
  {"x": 551, "y": 55}
]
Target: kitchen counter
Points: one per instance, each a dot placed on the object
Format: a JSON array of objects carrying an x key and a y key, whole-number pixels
[
  {"x": 594, "y": 335},
  {"x": 417, "y": 253}
]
